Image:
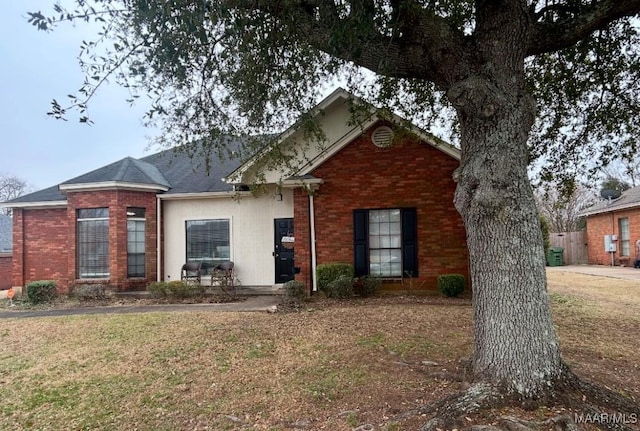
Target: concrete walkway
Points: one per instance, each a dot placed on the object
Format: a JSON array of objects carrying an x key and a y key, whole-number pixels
[
  {"x": 253, "y": 303},
  {"x": 624, "y": 272}
]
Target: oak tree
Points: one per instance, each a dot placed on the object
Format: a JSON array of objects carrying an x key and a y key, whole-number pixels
[{"x": 549, "y": 80}]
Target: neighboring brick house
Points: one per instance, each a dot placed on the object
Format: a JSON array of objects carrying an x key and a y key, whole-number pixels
[
  {"x": 613, "y": 227},
  {"x": 361, "y": 196},
  {"x": 5, "y": 251}
]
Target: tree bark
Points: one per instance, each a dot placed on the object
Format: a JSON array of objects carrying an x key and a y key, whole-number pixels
[{"x": 515, "y": 344}]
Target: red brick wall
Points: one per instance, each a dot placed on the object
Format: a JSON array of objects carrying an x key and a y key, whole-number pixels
[
  {"x": 607, "y": 224},
  {"x": 45, "y": 240},
  {"x": 40, "y": 246},
  {"x": 362, "y": 176},
  {"x": 6, "y": 280}
]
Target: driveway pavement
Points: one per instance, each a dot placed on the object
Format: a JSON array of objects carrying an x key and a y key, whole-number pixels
[
  {"x": 252, "y": 303},
  {"x": 625, "y": 272}
]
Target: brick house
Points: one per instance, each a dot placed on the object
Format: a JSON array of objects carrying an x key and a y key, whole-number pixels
[
  {"x": 613, "y": 227},
  {"x": 374, "y": 195},
  {"x": 5, "y": 252}
]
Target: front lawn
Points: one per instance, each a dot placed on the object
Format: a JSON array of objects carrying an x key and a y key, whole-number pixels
[{"x": 332, "y": 366}]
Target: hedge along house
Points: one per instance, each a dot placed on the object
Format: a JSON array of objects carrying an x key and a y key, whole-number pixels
[
  {"x": 613, "y": 227},
  {"x": 357, "y": 196}
]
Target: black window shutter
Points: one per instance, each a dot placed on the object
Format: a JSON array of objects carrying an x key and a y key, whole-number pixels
[
  {"x": 360, "y": 237},
  {"x": 409, "y": 242}
]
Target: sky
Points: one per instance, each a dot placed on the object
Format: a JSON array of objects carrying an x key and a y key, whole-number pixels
[{"x": 36, "y": 67}]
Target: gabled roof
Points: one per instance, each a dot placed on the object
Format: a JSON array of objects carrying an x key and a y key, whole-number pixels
[
  {"x": 175, "y": 173},
  {"x": 340, "y": 95},
  {"x": 6, "y": 233},
  {"x": 628, "y": 199}
]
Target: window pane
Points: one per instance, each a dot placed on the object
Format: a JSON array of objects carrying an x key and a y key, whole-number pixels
[
  {"x": 623, "y": 226},
  {"x": 93, "y": 213},
  {"x": 136, "y": 244},
  {"x": 93, "y": 243},
  {"x": 394, "y": 228},
  {"x": 208, "y": 241},
  {"x": 374, "y": 241},
  {"x": 135, "y": 212},
  {"x": 385, "y": 243}
]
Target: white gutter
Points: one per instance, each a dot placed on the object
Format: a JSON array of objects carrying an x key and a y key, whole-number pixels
[
  {"x": 312, "y": 228},
  {"x": 109, "y": 185},
  {"x": 35, "y": 205},
  {"x": 158, "y": 238},
  {"x": 203, "y": 195}
]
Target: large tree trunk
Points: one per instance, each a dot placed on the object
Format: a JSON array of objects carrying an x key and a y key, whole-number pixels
[{"x": 515, "y": 344}]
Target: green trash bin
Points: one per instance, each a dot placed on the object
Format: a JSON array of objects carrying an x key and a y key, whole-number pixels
[{"x": 554, "y": 256}]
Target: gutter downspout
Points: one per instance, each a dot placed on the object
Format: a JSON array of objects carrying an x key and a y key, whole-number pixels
[{"x": 312, "y": 228}]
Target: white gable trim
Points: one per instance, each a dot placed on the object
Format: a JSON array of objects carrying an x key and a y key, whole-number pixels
[
  {"x": 334, "y": 147},
  {"x": 338, "y": 93}
]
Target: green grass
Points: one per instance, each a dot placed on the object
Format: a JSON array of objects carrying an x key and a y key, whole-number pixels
[{"x": 174, "y": 371}]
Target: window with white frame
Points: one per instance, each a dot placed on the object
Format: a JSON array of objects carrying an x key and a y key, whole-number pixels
[
  {"x": 385, "y": 242},
  {"x": 208, "y": 242},
  {"x": 93, "y": 242},
  {"x": 136, "y": 242},
  {"x": 625, "y": 247}
]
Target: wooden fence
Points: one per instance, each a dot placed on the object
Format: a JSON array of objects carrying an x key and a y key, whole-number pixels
[{"x": 574, "y": 245}]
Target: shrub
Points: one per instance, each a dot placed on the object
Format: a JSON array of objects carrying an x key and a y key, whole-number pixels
[
  {"x": 295, "y": 290},
  {"x": 158, "y": 289},
  {"x": 173, "y": 289},
  {"x": 180, "y": 289},
  {"x": 342, "y": 287},
  {"x": 329, "y": 272},
  {"x": 451, "y": 284},
  {"x": 370, "y": 285},
  {"x": 41, "y": 291},
  {"x": 89, "y": 291}
]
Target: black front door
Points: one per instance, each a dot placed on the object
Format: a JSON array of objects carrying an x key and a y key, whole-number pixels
[{"x": 283, "y": 228}]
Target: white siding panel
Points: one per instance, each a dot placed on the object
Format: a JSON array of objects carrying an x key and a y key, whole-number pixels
[
  {"x": 251, "y": 232},
  {"x": 334, "y": 123}
]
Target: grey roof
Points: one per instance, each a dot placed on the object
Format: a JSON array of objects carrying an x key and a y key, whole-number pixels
[
  {"x": 179, "y": 170},
  {"x": 128, "y": 170},
  {"x": 50, "y": 194},
  {"x": 6, "y": 233},
  {"x": 628, "y": 199},
  {"x": 188, "y": 173}
]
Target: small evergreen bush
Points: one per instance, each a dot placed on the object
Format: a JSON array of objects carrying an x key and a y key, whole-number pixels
[
  {"x": 451, "y": 285},
  {"x": 341, "y": 288},
  {"x": 370, "y": 285},
  {"x": 41, "y": 291},
  {"x": 295, "y": 290},
  {"x": 89, "y": 291},
  {"x": 329, "y": 272},
  {"x": 180, "y": 289},
  {"x": 158, "y": 289},
  {"x": 173, "y": 289}
]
